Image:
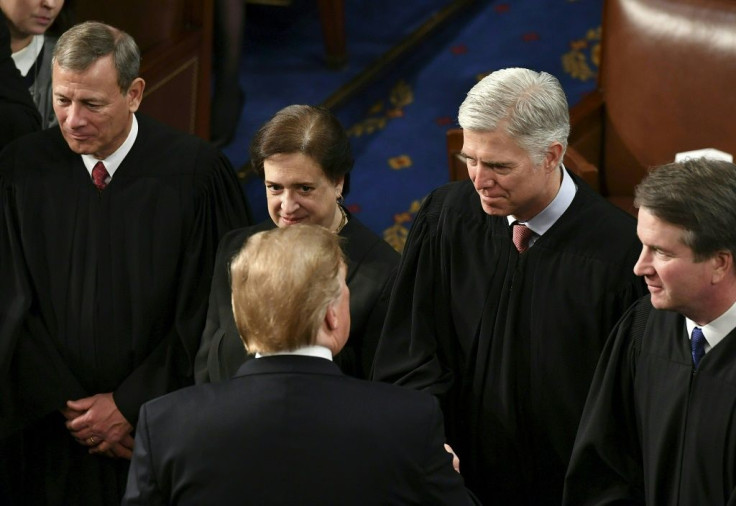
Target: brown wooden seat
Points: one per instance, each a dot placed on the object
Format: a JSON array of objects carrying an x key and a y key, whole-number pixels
[{"x": 665, "y": 85}]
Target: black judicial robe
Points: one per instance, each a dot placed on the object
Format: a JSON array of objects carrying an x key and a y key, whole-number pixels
[
  {"x": 371, "y": 270},
  {"x": 508, "y": 342},
  {"x": 653, "y": 430},
  {"x": 103, "y": 291}
]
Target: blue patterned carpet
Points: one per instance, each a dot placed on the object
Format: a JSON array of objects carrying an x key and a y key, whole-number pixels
[{"x": 398, "y": 121}]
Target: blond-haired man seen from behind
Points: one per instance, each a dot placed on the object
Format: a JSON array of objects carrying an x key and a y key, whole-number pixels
[{"x": 290, "y": 428}]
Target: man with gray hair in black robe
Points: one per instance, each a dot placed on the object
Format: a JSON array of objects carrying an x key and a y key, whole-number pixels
[
  {"x": 508, "y": 286},
  {"x": 108, "y": 230}
]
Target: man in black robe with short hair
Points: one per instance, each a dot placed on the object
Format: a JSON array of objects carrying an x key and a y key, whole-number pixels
[
  {"x": 658, "y": 427},
  {"x": 506, "y": 326},
  {"x": 108, "y": 232}
]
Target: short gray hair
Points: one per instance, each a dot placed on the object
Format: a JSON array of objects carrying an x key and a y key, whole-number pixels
[
  {"x": 530, "y": 105},
  {"x": 83, "y": 44},
  {"x": 698, "y": 195}
]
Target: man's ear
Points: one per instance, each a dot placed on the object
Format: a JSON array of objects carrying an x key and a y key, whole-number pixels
[
  {"x": 723, "y": 266},
  {"x": 553, "y": 156},
  {"x": 331, "y": 320},
  {"x": 134, "y": 95}
]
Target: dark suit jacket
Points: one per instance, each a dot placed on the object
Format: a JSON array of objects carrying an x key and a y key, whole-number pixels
[{"x": 292, "y": 430}]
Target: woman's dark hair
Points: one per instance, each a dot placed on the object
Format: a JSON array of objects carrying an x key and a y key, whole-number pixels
[
  {"x": 65, "y": 20},
  {"x": 311, "y": 130}
]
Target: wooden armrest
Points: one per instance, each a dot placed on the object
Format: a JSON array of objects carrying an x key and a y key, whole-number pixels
[
  {"x": 589, "y": 108},
  {"x": 582, "y": 167},
  {"x": 586, "y": 130}
]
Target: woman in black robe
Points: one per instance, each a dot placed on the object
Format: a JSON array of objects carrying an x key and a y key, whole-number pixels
[
  {"x": 16, "y": 106},
  {"x": 304, "y": 156},
  {"x": 34, "y": 29}
]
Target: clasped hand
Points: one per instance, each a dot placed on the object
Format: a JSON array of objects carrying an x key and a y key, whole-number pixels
[{"x": 97, "y": 422}]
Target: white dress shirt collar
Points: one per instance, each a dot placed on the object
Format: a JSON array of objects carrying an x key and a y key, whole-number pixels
[
  {"x": 715, "y": 331},
  {"x": 308, "y": 351},
  {"x": 113, "y": 161},
  {"x": 26, "y": 57},
  {"x": 550, "y": 214}
]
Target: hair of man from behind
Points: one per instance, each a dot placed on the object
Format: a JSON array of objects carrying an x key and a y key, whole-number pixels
[
  {"x": 531, "y": 106},
  {"x": 698, "y": 195},
  {"x": 83, "y": 44},
  {"x": 283, "y": 281},
  {"x": 311, "y": 130}
]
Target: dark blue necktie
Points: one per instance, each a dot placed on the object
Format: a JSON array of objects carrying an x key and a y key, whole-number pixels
[{"x": 697, "y": 345}]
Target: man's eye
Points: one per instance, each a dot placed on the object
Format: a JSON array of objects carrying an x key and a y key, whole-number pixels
[{"x": 500, "y": 169}]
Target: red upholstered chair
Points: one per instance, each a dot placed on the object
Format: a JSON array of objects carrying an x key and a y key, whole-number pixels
[{"x": 665, "y": 85}]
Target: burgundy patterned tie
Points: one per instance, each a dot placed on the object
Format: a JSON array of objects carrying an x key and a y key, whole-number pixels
[
  {"x": 521, "y": 234},
  {"x": 100, "y": 175}
]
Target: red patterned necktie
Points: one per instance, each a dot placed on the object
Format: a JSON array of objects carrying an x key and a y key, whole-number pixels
[
  {"x": 521, "y": 234},
  {"x": 100, "y": 175}
]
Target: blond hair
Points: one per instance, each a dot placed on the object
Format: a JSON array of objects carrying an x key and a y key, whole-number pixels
[{"x": 283, "y": 280}]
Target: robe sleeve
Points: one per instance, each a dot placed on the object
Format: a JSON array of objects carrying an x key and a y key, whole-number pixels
[
  {"x": 372, "y": 332},
  {"x": 409, "y": 351},
  {"x": 209, "y": 366},
  {"x": 372, "y": 265},
  {"x": 29, "y": 362},
  {"x": 220, "y": 206},
  {"x": 17, "y": 110},
  {"x": 442, "y": 484},
  {"x": 606, "y": 463}
]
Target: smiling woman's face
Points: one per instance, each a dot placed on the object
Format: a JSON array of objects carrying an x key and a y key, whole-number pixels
[{"x": 298, "y": 191}]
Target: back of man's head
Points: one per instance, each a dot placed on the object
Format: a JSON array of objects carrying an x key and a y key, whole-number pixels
[
  {"x": 283, "y": 281},
  {"x": 83, "y": 44},
  {"x": 698, "y": 195},
  {"x": 530, "y": 106}
]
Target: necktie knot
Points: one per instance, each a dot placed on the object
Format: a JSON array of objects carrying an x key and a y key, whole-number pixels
[
  {"x": 520, "y": 235},
  {"x": 697, "y": 345},
  {"x": 100, "y": 175}
]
